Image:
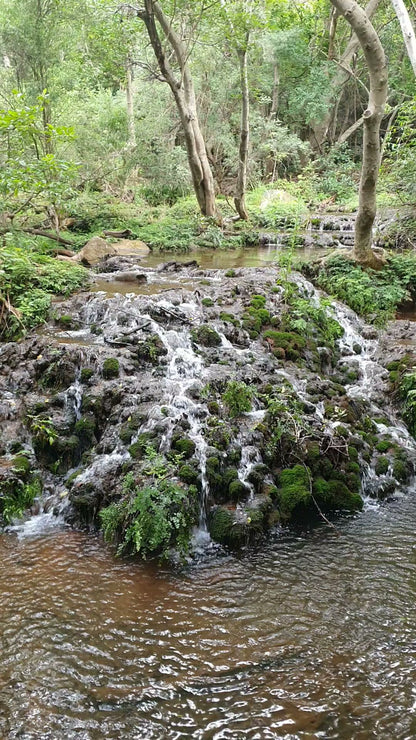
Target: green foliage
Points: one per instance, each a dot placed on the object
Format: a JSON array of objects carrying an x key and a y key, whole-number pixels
[
  {"x": 374, "y": 295},
  {"x": 31, "y": 175},
  {"x": 238, "y": 397},
  {"x": 15, "y": 502},
  {"x": 153, "y": 520},
  {"x": 27, "y": 282},
  {"x": 42, "y": 430},
  {"x": 111, "y": 368}
]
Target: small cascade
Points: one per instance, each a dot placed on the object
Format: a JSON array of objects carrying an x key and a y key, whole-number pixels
[{"x": 73, "y": 398}]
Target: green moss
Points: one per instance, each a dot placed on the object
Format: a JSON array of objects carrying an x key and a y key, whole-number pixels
[
  {"x": 85, "y": 430},
  {"x": 334, "y": 495},
  {"x": 188, "y": 474},
  {"x": 285, "y": 340},
  {"x": 111, "y": 368},
  {"x": 206, "y": 336},
  {"x": 229, "y": 318},
  {"x": 258, "y": 301},
  {"x": 352, "y": 453},
  {"x": 137, "y": 449},
  {"x": 400, "y": 470},
  {"x": 22, "y": 466},
  {"x": 382, "y": 465},
  {"x": 213, "y": 408},
  {"x": 86, "y": 374},
  {"x": 185, "y": 445},
  {"x": 238, "y": 490},
  {"x": 294, "y": 494},
  {"x": 230, "y": 273},
  {"x": 207, "y": 302},
  {"x": 383, "y": 445}
]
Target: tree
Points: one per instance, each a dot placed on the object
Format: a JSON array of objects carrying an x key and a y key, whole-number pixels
[
  {"x": 341, "y": 75},
  {"x": 183, "y": 91},
  {"x": 407, "y": 30},
  {"x": 377, "y": 67}
]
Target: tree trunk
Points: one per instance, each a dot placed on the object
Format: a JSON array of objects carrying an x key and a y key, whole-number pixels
[
  {"x": 407, "y": 30},
  {"x": 275, "y": 92},
  {"x": 184, "y": 95},
  {"x": 342, "y": 75},
  {"x": 240, "y": 197},
  {"x": 130, "y": 105},
  {"x": 376, "y": 62}
]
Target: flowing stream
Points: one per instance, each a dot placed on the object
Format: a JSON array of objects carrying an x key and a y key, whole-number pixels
[{"x": 311, "y": 636}]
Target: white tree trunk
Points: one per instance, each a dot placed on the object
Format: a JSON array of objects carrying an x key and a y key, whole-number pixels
[
  {"x": 240, "y": 196},
  {"x": 130, "y": 105},
  {"x": 407, "y": 31}
]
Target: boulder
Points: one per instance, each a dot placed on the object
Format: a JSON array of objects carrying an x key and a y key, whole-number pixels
[
  {"x": 94, "y": 251},
  {"x": 127, "y": 247}
]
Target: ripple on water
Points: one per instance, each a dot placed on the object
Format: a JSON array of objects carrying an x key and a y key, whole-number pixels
[{"x": 312, "y": 637}]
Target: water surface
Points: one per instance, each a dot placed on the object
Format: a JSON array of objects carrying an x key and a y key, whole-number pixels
[{"x": 313, "y": 636}]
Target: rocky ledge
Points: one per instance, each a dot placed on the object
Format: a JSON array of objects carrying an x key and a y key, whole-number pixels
[{"x": 237, "y": 402}]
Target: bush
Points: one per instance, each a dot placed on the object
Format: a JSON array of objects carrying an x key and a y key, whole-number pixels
[
  {"x": 238, "y": 397},
  {"x": 154, "y": 519}
]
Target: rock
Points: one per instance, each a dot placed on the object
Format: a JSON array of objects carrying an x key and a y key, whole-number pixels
[
  {"x": 94, "y": 251},
  {"x": 130, "y": 247},
  {"x": 130, "y": 277}
]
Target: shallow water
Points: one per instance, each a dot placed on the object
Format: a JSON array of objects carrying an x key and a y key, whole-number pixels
[{"x": 312, "y": 637}]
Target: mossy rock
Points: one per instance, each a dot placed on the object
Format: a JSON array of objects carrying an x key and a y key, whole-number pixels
[
  {"x": 401, "y": 470},
  {"x": 230, "y": 273},
  {"x": 138, "y": 449},
  {"x": 206, "y": 336},
  {"x": 258, "y": 301},
  {"x": 207, "y": 302},
  {"x": 384, "y": 445},
  {"x": 288, "y": 341},
  {"x": 151, "y": 350},
  {"x": 257, "y": 475},
  {"x": 184, "y": 445},
  {"x": 229, "y": 318},
  {"x": 382, "y": 465},
  {"x": 334, "y": 495},
  {"x": 85, "y": 431},
  {"x": 213, "y": 408},
  {"x": 188, "y": 474},
  {"x": 294, "y": 495},
  {"x": 238, "y": 491},
  {"x": 86, "y": 374},
  {"x": 236, "y": 531},
  {"x": 22, "y": 466},
  {"x": 111, "y": 368}
]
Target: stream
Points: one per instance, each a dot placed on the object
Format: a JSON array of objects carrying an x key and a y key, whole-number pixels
[{"x": 311, "y": 635}]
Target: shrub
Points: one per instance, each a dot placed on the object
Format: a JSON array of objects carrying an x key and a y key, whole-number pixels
[{"x": 238, "y": 397}]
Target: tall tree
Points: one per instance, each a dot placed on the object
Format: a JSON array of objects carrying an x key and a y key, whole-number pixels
[
  {"x": 377, "y": 67},
  {"x": 168, "y": 44}
]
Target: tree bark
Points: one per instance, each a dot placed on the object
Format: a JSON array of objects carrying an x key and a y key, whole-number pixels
[
  {"x": 275, "y": 92},
  {"x": 130, "y": 105},
  {"x": 376, "y": 62},
  {"x": 339, "y": 79},
  {"x": 240, "y": 196},
  {"x": 407, "y": 30},
  {"x": 184, "y": 94}
]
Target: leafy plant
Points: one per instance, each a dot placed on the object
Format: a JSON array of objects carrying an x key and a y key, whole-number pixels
[
  {"x": 238, "y": 397},
  {"x": 15, "y": 503}
]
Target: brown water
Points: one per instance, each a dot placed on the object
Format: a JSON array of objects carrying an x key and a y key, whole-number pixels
[
  {"x": 219, "y": 259},
  {"x": 312, "y": 637}
]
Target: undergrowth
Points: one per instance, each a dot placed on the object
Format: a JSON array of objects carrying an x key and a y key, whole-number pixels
[
  {"x": 375, "y": 295},
  {"x": 28, "y": 280}
]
